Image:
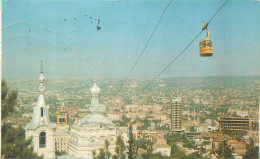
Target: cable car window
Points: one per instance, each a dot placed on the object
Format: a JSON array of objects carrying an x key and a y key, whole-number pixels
[
  {"x": 204, "y": 44},
  {"x": 209, "y": 44}
]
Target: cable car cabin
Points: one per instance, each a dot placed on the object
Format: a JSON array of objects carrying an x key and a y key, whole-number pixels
[{"x": 206, "y": 49}]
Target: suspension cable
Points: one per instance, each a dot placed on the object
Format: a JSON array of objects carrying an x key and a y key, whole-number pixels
[
  {"x": 132, "y": 68},
  {"x": 167, "y": 66}
]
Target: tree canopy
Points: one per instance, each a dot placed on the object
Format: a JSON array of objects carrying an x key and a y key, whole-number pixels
[
  {"x": 120, "y": 149},
  {"x": 132, "y": 147},
  {"x": 14, "y": 144}
]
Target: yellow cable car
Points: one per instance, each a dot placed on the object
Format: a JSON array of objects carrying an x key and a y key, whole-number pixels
[{"x": 206, "y": 48}]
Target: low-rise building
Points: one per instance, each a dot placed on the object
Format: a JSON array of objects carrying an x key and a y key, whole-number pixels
[
  {"x": 162, "y": 147},
  {"x": 61, "y": 140}
]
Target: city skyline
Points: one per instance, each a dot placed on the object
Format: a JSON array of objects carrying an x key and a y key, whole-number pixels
[{"x": 48, "y": 31}]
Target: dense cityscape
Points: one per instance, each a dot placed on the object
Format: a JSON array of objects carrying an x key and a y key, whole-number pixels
[
  {"x": 208, "y": 105},
  {"x": 123, "y": 79}
]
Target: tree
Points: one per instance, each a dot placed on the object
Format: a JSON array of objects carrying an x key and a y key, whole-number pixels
[
  {"x": 14, "y": 144},
  {"x": 94, "y": 154},
  {"x": 153, "y": 156},
  {"x": 177, "y": 153},
  {"x": 224, "y": 151},
  {"x": 192, "y": 129},
  {"x": 101, "y": 154},
  {"x": 57, "y": 153},
  {"x": 120, "y": 149},
  {"x": 195, "y": 155},
  {"x": 227, "y": 152},
  {"x": 107, "y": 153},
  {"x": 251, "y": 152},
  {"x": 220, "y": 150},
  {"x": 132, "y": 148},
  {"x": 145, "y": 144},
  {"x": 8, "y": 100}
]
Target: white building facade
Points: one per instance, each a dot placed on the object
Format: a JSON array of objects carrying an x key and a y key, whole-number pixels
[
  {"x": 40, "y": 128},
  {"x": 90, "y": 133}
]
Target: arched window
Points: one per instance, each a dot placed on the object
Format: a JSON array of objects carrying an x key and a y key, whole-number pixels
[
  {"x": 41, "y": 111},
  {"x": 42, "y": 140}
]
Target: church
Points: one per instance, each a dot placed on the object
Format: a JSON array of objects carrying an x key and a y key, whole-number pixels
[
  {"x": 83, "y": 137},
  {"x": 40, "y": 128}
]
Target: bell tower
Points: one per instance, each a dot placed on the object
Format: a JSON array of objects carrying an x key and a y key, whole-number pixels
[{"x": 40, "y": 128}]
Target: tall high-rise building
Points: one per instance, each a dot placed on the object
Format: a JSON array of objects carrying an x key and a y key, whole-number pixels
[{"x": 176, "y": 114}]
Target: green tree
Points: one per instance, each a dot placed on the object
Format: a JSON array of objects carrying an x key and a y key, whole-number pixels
[
  {"x": 14, "y": 144},
  {"x": 177, "y": 153},
  {"x": 120, "y": 148},
  {"x": 220, "y": 150},
  {"x": 8, "y": 100},
  {"x": 172, "y": 138},
  {"x": 57, "y": 153},
  {"x": 153, "y": 156},
  {"x": 124, "y": 121},
  {"x": 195, "y": 155},
  {"x": 224, "y": 151},
  {"x": 227, "y": 152},
  {"x": 145, "y": 144},
  {"x": 101, "y": 154},
  {"x": 94, "y": 154},
  {"x": 132, "y": 147},
  {"x": 107, "y": 153},
  {"x": 192, "y": 129},
  {"x": 252, "y": 152}
]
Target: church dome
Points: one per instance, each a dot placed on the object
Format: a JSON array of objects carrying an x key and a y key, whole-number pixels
[
  {"x": 95, "y": 120},
  {"x": 95, "y": 90},
  {"x": 41, "y": 77}
]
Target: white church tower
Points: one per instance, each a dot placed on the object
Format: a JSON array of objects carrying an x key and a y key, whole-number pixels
[{"x": 40, "y": 128}]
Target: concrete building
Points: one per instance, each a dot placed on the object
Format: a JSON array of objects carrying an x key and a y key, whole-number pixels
[
  {"x": 61, "y": 134},
  {"x": 162, "y": 147},
  {"x": 237, "y": 123},
  {"x": 40, "y": 128},
  {"x": 176, "y": 115},
  {"x": 62, "y": 116},
  {"x": 61, "y": 140}
]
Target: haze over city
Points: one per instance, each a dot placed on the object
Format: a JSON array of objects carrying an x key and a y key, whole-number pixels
[
  {"x": 37, "y": 30},
  {"x": 121, "y": 79}
]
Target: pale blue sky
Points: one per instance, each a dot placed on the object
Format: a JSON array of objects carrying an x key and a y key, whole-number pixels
[{"x": 74, "y": 48}]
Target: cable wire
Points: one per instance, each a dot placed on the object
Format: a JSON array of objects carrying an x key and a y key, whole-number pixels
[
  {"x": 132, "y": 68},
  {"x": 185, "y": 47}
]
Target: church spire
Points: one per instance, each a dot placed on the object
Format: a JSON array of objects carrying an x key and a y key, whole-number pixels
[
  {"x": 41, "y": 67},
  {"x": 95, "y": 90},
  {"x": 41, "y": 81},
  {"x": 40, "y": 111},
  {"x": 95, "y": 77},
  {"x": 95, "y": 107}
]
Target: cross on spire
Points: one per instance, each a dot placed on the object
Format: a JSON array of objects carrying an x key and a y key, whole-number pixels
[
  {"x": 95, "y": 76},
  {"x": 41, "y": 67}
]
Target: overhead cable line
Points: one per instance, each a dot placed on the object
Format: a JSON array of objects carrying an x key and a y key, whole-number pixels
[
  {"x": 132, "y": 68},
  {"x": 167, "y": 66}
]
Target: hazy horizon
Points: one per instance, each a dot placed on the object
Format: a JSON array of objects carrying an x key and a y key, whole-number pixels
[{"x": 66, "y": 39}]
